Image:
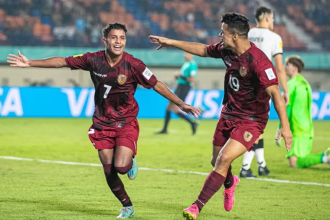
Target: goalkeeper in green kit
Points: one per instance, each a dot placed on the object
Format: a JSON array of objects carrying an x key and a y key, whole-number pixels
[{"x": 299, "y": 111}]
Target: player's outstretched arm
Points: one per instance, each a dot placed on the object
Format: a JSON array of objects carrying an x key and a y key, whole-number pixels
[
  {"x": 274, "y": 93},
  {"x": 162, "y": 89},
  {"x": 195, "y": 48},
  {"x": 22, "y": 61}
]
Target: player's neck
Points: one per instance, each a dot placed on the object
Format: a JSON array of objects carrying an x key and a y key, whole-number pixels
[
  {"x": 113, "y": 60},
  {"x": 242, "y": 47},
  {"x": 262, "y": 25},
  {"x": 293, "y": 75}
]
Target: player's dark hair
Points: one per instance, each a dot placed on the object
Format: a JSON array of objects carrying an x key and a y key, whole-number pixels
[
  {"x": 297, "y": 62},
  {"x": 260, "y": 11},
  {"x": 237, "y": 23},
  {"x": 116, "y": 26}
]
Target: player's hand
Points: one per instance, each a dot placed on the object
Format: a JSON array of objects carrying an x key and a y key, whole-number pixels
[
  {"x": 18, "y": 61},
  {"x": 278, "y": 141},
  {"x": 177, "y": 74},
  {"x": 287, "y": 136},
  {"x": 162, "y": 41},
  {"x": 286, "y": 98},
  {"x": 190, "y": 110}
]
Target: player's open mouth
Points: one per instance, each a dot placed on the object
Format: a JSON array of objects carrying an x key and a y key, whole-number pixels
[{"x": 117, "y": 48}]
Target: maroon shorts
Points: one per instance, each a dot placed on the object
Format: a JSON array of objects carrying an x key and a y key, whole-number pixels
[
  {"x": 244, "y": 131},
  {"x": 110, "y": 137}
]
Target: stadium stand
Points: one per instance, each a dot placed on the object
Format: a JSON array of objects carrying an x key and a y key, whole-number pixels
[
  {"x": 312, "y": 15},
  {"x": 78, "y": 23}
]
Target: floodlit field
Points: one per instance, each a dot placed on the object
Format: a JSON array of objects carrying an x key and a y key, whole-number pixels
[{"x": 44, "y": 190}]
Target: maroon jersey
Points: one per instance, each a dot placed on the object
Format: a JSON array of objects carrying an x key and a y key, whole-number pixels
[
  {"x": 247, "y": 77},
  {"x": 114, "y": 86}
]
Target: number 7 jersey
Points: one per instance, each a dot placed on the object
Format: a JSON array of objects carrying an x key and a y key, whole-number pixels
[
  {"x": 247, "y": 77},
  {"x": 114, "y": 86}
]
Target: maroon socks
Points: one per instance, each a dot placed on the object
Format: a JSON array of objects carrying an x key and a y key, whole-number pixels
[{"x": 211, "y": 185}]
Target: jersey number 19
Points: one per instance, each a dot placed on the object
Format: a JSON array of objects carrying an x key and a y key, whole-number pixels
[{"x": 234, "y": 83}]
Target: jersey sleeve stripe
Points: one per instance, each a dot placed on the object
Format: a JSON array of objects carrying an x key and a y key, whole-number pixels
[{"x": 277, "y": 54}]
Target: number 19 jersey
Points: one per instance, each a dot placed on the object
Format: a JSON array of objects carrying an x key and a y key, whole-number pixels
[
  {"x": 114, "y": 86},
  {"x": 247, "y": 77}
]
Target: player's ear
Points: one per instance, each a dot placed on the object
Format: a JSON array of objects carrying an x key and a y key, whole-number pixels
[{"x": 105, "y": 41}]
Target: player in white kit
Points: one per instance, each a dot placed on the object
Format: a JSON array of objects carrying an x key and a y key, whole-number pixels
[{"x": 271, "y": 44}]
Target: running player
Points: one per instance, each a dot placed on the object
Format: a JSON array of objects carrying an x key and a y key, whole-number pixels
[
  {"x": 115, "y": 129},
  {"x": 185, "y": 78},
  {"x": 250, "y": 82}
]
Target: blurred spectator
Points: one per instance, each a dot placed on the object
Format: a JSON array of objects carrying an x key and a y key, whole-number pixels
[{"x": 79, "y": 22}]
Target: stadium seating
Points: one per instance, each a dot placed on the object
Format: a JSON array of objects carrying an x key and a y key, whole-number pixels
[
  {"x": 312, "y": 15},
  {"x": 78, "y": 23}
]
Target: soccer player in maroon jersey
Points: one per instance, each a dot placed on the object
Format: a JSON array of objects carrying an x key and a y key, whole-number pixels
[
  {"x": 115, "y": 129},
  {"x": 250, "y": 82}
]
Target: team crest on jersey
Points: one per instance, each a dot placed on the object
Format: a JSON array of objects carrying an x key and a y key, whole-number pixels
[
  {"x": 242, "y": 71},
  {"x": 121, "y": 79},
  {"x": 247, "y": 136}
]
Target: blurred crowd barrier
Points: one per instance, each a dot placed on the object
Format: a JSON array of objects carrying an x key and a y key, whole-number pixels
[{"x": 79, "y": 103}]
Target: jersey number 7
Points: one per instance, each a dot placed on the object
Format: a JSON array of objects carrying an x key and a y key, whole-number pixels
[{"x": 106, "y": 91}]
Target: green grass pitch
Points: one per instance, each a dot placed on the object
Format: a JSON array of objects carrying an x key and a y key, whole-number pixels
[{"x": 37, "y": 190}]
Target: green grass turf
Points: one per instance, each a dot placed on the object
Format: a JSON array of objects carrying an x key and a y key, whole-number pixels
[{"x": 36, "y": 190}]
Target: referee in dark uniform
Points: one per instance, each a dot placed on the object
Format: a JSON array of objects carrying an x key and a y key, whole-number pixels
[{"x": 187, "y": 76}]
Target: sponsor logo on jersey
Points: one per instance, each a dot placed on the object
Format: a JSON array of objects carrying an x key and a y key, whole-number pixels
[
  {"x": 242, "y": 71},
  {"x": 121, "y": 79},
  {"x": 256, "y": 39},
  {"x": 247, "y": 136},
  {"x": 226, "y": 59},
  {"x": 281, "y": 44},
  {"x": 99, "y": 74},
  {"x": 229, "y": 64}
]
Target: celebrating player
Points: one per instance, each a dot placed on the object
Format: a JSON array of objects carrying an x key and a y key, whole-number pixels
[
  {"x": 299, "y": 111},
  {"x": 115, "y": 129},
  {"x": 188, "y": 73},
  {"x": 271, "y": 44},
  {"x": 250, "y": 82}
]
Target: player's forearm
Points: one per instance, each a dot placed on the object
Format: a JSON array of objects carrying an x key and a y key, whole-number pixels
[
  {"x": 53, "y": 62},
  {"x": 282, "y": 78},
  {"x": 280, "y": 108},
  {"x": 188, "y": 79},
  {"x": 195, "y": 48},
  {"x": 163, "y": 90},
  {"x": 288, "y": 113},
  {"x": 191, "y": 79}
]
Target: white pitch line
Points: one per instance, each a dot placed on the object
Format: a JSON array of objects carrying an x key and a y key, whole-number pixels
[
  {"x": 320, "y": 138},
  {"x": 161, "y": 170}
]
